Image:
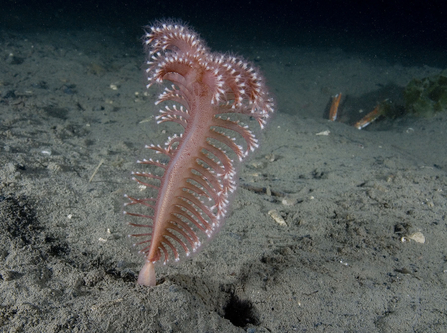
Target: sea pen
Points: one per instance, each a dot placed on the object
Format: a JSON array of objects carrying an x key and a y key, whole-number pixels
[{"x": 196, "y": 173}]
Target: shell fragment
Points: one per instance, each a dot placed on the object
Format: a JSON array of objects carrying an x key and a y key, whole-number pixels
[{"x": 277, "y": 217}]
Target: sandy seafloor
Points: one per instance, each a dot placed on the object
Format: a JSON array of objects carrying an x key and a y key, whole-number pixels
[{"x": 348, "y": 199}]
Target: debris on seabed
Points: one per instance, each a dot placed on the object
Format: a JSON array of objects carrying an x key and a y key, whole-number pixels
[
  {"x": 418, "y": 237},
  {"x": 277, "y": 217}
]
